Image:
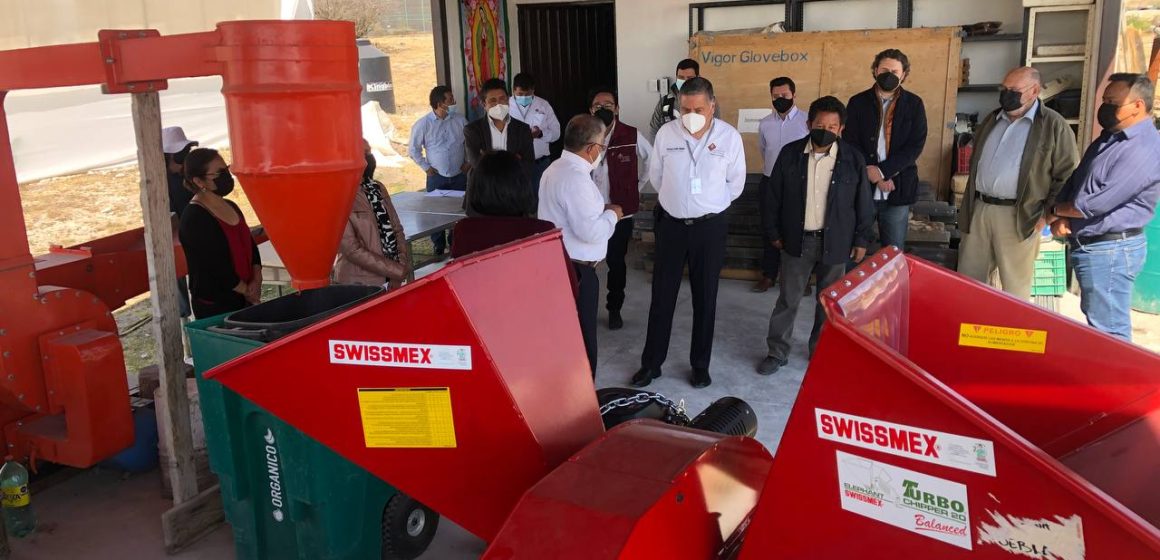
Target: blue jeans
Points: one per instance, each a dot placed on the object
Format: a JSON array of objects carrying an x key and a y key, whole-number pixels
[
  {"x": 893, "y": 222},
  {"x": 1106, "y": 272},
  {"x": 440, "y": 183}
]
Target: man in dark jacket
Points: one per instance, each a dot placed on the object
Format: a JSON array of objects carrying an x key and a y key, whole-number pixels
[
  {"x": 888, "y": 127},
  {"x": 497, "y": 131},
  {"x": 818, "y": 212}
]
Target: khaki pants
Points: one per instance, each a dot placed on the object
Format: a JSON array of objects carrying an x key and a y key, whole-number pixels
[{"x": 994, "y": 243}]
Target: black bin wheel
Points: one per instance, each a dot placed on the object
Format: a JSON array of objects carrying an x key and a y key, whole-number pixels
[{"x": 408, "y": 528}]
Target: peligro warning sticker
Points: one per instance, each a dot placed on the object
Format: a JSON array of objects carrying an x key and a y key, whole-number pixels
[
  {"x": 1003, "y": 338},
  {"x": 407, "y": 417}
]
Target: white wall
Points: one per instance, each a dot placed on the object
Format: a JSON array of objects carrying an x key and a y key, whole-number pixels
[{"x": 652, "y": 35}]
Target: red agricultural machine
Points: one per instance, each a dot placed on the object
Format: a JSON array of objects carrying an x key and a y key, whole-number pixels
[{"x": 939, "y": 419}]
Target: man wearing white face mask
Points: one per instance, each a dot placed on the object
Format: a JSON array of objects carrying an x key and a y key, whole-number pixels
[
  {"x": 535, "y": 111},
  {"x": 570, "y": 199},
  {"x": 497, "y": 131},
  {"x": 697, "y": 167}
]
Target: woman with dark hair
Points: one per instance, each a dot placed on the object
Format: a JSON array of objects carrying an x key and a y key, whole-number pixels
[
  {"x": 225, "y": 271},
  {"x": 374, "y": 249},
  {"x": 501, "y": 202}
]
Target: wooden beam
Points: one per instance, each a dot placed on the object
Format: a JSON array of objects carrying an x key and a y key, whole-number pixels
[
  {"x": 195, "y": 518},
  {"x": 163, "y": 290},
  {"x": 1154, "y": 62}
]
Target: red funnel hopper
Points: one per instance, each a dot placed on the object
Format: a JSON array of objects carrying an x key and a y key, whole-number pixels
[{"x": 292, "y": 99}]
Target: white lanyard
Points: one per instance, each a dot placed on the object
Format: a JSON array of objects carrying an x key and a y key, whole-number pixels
[{"x": 693, "y": 151}]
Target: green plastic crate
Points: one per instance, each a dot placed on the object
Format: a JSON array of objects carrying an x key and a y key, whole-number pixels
[
  {"x": 285, "y": 495},
  {"x": 1050, "y": 270}
]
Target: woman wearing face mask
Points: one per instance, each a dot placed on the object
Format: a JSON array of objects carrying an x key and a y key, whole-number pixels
[
  {"x": 887, "y": 125},
  {"x": 225, "y": 271},
  {"x": 374, "y": 250}
]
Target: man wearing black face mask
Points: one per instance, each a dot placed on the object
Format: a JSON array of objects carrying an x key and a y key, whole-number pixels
[
  {"x": 1104, "y": 206},
  {"x": 888, "y": 126},
  {"x": 781, "y": 127},
  {"x": 1024, "y": 152},
  {"x": 818, "y": 210},
  {"x": 619, "y": 176}
]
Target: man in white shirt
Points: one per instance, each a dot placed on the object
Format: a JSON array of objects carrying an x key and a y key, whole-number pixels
[
  {"x": 437, "y": 147},
  {"x": 570, "y": 200},
  {"x": 786, "y": 124},
  {"x": 537, "y": 113},
  {"x": 620, "y": 176},
  {"x": 697, "y": 167}
]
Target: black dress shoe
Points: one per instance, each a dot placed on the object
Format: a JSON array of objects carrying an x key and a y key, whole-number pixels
[
  {"x": 615, "y": 321},
  {"x": 645, "y": 376},
  {"x": 701, "y": 378}
]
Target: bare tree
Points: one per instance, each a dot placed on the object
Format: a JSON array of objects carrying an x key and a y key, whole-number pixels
[{"x": 367, "y": 15}]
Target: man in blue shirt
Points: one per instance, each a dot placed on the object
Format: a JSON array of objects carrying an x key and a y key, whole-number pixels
[
  {"x": 437, "y": 147},
  {"x": 1106, "y": 203}
]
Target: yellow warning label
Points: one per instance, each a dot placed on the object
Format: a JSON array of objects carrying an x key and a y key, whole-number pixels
[
  {"x": 1003, "y": 338},
  {"x": 411, "y": 417}
]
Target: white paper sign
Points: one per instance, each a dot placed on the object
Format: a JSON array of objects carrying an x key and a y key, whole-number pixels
[
  {"x": 1060, "y": 538},
  {"x": 932, "y": 507},
  {"x": 940, "y": 448},
  {"x": 747, "y": 119},
  {"x": 392, "y": 354}
]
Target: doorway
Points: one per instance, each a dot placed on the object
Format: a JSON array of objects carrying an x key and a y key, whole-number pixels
[{"x": 568, "y": 48}]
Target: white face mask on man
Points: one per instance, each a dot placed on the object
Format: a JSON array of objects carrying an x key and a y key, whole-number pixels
[
  {"x": 499, "y": 112},
  {"x": 693, "y": 122}
]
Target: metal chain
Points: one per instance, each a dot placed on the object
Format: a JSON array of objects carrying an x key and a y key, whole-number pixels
[{"x": 676, "y": 409}]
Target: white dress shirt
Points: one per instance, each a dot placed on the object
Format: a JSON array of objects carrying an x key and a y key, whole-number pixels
[
  {"x": 818, "y": 179},
  {"x": 499, "y": 139},
  {"x": 540, "y": 114},
  {"x": 570, "y": 200},
  {"x": 438, "y": 142},
  {"x": 775, "y": 131},
  {"x": 600, "y": 175},
  {"x": 719, "y": 166},
  {"x": 998, "y": 173},
  {"x": 878, "y": 194}
]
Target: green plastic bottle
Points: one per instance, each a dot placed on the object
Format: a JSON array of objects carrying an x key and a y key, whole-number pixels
[{"x": 16, "y": 499}]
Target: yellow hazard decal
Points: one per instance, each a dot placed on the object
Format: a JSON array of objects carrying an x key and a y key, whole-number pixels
[
  {"x": 1003, "y": 338},
  {"x": 408, "y": 417}
]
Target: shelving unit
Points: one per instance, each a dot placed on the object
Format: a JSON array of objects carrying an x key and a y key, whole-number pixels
[
  {"x": 1014, "y": 37},
  {"x": 1063, "y": 24}
]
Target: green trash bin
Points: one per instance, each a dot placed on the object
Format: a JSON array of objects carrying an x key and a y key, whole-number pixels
[{"x": 286, "y": 495}]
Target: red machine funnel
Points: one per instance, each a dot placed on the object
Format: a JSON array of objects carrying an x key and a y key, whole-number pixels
[
  {"x": 463, "y": 389},
  {"x": 292, "y": 100},
  {"x": 942, "y": 419}
]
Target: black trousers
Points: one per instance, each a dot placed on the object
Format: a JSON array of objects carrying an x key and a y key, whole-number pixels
[
  {"x": 770, "y": 257},
  {"x": 587, "y": 305},
  {"x": 617, "y": 270},
  {"x": 702, "y": 247}
]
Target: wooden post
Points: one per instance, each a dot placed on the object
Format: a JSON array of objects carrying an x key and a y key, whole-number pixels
[
  {"x": 163, "y": 290},
  {"x": 1154, "y": 61}
]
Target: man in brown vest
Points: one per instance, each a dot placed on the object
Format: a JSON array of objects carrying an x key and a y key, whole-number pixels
[{"x": 619, "y": 176}]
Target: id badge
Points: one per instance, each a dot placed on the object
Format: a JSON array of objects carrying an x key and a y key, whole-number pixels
[{"x": 695, "y": 185}]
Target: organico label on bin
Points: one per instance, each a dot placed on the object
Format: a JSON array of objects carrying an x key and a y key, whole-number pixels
[
  {"x": 407, "y": 417},
  {"x": 919, "y": 503},
  {"x": 393, "y": 354},
  {"x": 1003, "y": 338},
  {"x": 940, "y": 448}
]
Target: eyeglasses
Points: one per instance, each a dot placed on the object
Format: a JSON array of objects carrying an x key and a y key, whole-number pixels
[
  {"x": 599, "y": 106},
  {"x": 225, "y": 169}
]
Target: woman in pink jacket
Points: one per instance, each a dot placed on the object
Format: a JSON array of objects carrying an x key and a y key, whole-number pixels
[{"x": 374, "y": 249}]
